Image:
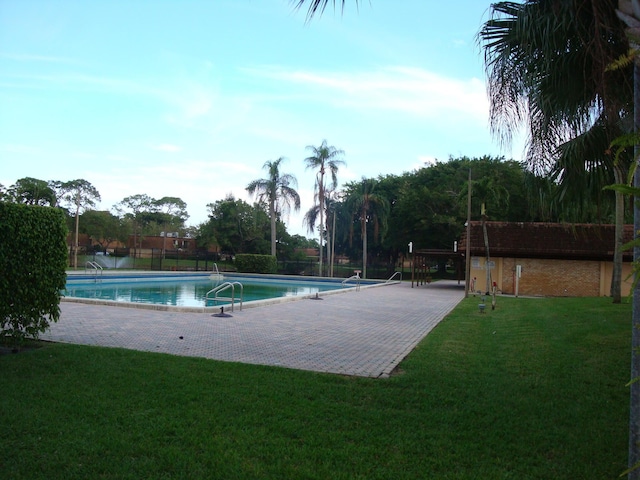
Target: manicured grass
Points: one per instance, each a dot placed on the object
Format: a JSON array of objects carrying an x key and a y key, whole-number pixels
[{"x": 534, "y": 389}]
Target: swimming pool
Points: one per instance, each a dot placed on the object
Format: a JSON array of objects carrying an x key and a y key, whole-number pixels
[{"x": 190, "y": 290}]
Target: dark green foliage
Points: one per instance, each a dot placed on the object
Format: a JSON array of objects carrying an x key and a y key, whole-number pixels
[
  {"x": 32, "y": 191},
  {"x": 429, "y": 205},
  {"x": 248, "y": 263},
  {"x": 236, "y": 227},
  {"x": 33, "y": 258}
]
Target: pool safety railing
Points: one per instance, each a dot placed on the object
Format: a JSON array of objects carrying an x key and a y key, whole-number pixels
[
  {"x": 223, "y": 287},
  {"x": 95, "y": 267},
  {"x": 390, "y": 279},
  {"x": 216, "y": 275},
  {"x": 355, "y": 277}
]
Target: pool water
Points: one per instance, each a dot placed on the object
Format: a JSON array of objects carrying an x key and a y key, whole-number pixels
[{"x": 192, "y": 293}]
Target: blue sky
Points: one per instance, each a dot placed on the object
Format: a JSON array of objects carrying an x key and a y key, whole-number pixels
[{"x": 189, "y": 98}]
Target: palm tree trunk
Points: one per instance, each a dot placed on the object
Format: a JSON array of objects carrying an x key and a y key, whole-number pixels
[
  {"x": 333, "y": 242},
  {"x": 328, "y": 230},
  {"x": 272, "y": 214},
  {"x": 364, "y": 247},
  {"x": 321, "y": 202},
  {"x": 75, "y": 247}
]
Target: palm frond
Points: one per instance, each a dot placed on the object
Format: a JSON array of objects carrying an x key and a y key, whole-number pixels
[{"x": 317, "y": 7}]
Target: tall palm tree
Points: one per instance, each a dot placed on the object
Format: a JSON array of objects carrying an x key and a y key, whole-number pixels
[
  {"x": 323, "y": 158},
  {"x": 547, "y": 65},
  {"x": 278, "y": 191},
  {"x": 333, "y": 204},
  {"x": 368, "y": 207}
]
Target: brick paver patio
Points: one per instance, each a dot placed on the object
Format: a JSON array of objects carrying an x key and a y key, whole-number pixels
[{"x": 365, "y": 333}]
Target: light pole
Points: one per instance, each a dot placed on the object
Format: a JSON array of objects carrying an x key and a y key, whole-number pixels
[
  {"x": 411, "y": 261},
  {"x": 468, "y": 245}
]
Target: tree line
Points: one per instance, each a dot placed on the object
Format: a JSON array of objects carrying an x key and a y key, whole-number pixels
[{"x": 369, "y": 221}]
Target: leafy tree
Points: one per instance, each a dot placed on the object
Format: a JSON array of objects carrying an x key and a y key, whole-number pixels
[
  {"x": 33, "y": 258},
  {"x": 173, "y": 211},
  {"x": 277, "y": 192},
  {"x": 32, "y": 191},
  {"x": 136, "y": 208},
  {"x": 102, "y": 226},
  {"x": 428, "y": 205},
  {"x": 323, "y": 158},
  {"x": 78, "y": 195},
  {"x": 236, "y": 227}
]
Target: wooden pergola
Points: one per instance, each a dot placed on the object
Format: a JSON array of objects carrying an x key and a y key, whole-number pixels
[{"x": 422, "y": 260}]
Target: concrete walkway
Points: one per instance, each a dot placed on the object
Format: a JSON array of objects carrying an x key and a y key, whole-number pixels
[{"x": 365, "y": 333}]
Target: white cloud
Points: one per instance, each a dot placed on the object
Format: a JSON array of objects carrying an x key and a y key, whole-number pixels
[
  {"x": 167, "y": 147},
  {"x": 21, "y": 149},
  {"x": 394, "y": 88},
  {"x": 24, "y": 57}
]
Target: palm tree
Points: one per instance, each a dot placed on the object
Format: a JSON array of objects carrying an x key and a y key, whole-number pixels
[
  {"x": 278, "y": 192},
  {"x": 333, "y": 207},
  {"x": 333, "y": 203},
  {"x": 548, "y": 69},
  {"x": 368, "y": 207},
  {"x": 323, "y": 158},
  {"x": 317, "y": 6}
]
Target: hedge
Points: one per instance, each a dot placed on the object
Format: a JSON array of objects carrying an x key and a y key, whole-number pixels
[
  {"x": 33, "y": 259},
  {"x": 248, "y": 263}
]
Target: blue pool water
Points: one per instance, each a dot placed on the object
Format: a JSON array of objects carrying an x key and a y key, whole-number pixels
[{"x": 190, "y": 291}]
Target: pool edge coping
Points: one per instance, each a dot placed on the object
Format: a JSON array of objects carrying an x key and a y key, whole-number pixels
[{"x": 214, "y": 309}]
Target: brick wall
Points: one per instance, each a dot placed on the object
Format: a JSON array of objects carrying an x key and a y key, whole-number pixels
[{"x": 573, "y": 278}]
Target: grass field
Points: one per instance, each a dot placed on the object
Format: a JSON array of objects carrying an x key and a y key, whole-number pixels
[{"x": 534, "y": 389}]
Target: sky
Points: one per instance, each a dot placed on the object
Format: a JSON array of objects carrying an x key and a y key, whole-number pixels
[{"x": 190, "y": 98}]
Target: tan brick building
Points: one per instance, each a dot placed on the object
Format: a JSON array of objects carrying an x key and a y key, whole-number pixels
[{"x": 554, "y": 259}]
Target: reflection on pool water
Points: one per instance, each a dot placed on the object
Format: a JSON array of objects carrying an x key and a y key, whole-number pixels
[{"x": 191, "y": 292}]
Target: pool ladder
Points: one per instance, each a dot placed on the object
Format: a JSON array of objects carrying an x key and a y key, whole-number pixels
[
  {"x": 355, "y": 277},
  {"x": 215, "y": 273},
  {"x": 95, "y": 267},
  {"x": 223, "y": 287}
]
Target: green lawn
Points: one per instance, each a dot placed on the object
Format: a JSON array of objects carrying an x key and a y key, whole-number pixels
[{"x": 534, "y": 389}]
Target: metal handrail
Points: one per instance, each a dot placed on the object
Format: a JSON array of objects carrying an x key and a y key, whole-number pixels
[
  {"x": 95, "y": 266},
  {"x": 215, "y": 275},
  {"x": 223, "y": 287},
  {"x": 392, "y": 276},
  {"x": 353, "y": 277}
]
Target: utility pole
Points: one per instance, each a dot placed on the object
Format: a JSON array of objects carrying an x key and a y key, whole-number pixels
[{"x": 468, "y": 246}]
